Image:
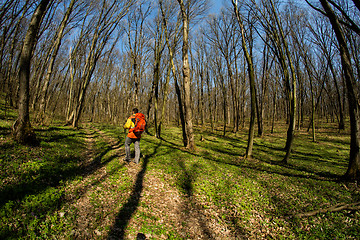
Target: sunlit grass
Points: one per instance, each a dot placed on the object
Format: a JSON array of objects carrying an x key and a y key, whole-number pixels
[{"x": 42, "y": 188}]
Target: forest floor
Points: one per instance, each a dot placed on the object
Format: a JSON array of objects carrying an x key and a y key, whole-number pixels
[{"x": 75, "y": 185}]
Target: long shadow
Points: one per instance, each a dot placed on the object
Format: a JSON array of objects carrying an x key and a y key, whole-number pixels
[
  {"x": 322, "y": 176},
  {"x": 186, "y": 182},
  {"x": 5, "y": 130},
  {"x": 117, "y": 231},
  {"x": 316, "y": 175},
  {"x": 299, "y": 157},
  {"x": 171, "y": 143},
  {"x": 220, "y": 135},
  {"x": 52, "y": 174},
  {"x": 191, "y": 207},
  {"x": 83, "y": 189}
]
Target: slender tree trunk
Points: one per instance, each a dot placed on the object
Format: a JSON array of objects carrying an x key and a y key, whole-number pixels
[
  {"x": 251, "y": 73},
  {"x": 56, "y": 47},
  {"x": 156, "y": 95},
  {"x": 9, "y": 76},
  {"x": 209, "y": 101},
  {"x": 22, "y": 132},
  {"x": 70, "y": 100},
  {"x": 291, "y": 87},
  {"x": 224, "y": 93},
  {"x": 166, "y": 92},
  {"x": 312, "y": 110},
  {"x": 274, "y": 112},
  {"x": 186, "y": 76},
  {"x": 155, "y": 85},
  {"x": 177, "y": 87},
  {"x": 202, "y": 101},
  {"x": 88, "y": 72},
  {"x": 261, "y": 98},
  {"x": 338, "y": 96},
  {"x": 312, "y": 95},
  {"x": 223, "y": 88},
  {"x": 259, "y": 117}
]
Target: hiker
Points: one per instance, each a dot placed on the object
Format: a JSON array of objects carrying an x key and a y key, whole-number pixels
[{"x": 136, "y": 124}]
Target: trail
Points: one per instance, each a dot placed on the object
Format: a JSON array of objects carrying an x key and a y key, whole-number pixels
[{"x": 107, "y": 202}]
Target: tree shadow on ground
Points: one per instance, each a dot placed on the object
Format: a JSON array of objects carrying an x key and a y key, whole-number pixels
[
  {"x": 295, "y": 171},
  {"x": 217, "y": 134},
  {"x": 277, "y": 153},
  {"x": 250, "y": 164},
  {"x": 194, "y": 215},
  {"x": 117, "y": 231},
  {"x": 52, "y": 172},
  {"x": 5, "y": 130},
  {"x": 297, "y": 157}
]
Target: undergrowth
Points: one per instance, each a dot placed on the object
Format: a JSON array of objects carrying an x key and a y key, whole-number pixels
[{"x": 77, "y": 176}]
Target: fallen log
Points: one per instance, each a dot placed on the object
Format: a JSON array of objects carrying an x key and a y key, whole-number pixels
[{"x": 338, "y": 207}]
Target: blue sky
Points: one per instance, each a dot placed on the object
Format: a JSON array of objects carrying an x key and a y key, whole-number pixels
[{"x": 216, "y": 6}]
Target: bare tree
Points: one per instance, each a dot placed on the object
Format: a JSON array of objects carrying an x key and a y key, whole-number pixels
[
  {"x": 136, "y": 43},
  {"x": 185, "y": 11},
  {"x": 251, "y": 73},
  {"x": 353, "y": 171},
  {"x": 324, "y": 39},
  {"x": 12, "y": 31},
  {"x": 55, "y": 49},
  {"x": 273, "y": 25},
  {"x": 106, "y": 23},
  {"x": 22, "y": 130},
  {"x": 158, "y": 49},
  {"x": 171, "y": 49}
]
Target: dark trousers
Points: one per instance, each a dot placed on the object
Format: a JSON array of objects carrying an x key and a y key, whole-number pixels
[{"x": 128, "y": 142}]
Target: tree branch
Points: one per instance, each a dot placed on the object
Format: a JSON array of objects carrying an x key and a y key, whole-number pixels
[
  {"x": 352, "y": 24},
  {"x": 315, "y": 8},
  {"x": 336, "y": 208}
]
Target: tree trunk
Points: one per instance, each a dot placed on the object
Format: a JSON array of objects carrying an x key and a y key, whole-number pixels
[
  {"x": 56, "y": 47},
  {"x": 177, "y": 87},
  {"x": 274, "y": 112},
  {"x": 251, "y": 73},
  {"x": 209, "y": 101},
  {"x": 155, "y": 85},
  {"x": 353, "y": 171},
  {"x": 22, "y": 132},
  {"x": 291, "y": 86},
  {"x": 312, "y": 109},
  {"x": 338, "y": 96},
  {"x": 186, "y": 76},
  {"x": 166, "y": 92},
  {"x": 224, "y": 93}
]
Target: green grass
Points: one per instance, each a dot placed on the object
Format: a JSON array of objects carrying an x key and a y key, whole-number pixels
[{"x": 75, "y": 185}]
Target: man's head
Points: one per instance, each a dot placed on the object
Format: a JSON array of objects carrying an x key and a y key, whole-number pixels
[{"x": 135, "y": 110}]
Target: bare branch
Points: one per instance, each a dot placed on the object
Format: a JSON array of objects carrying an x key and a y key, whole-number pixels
[{"x": 336, "y": 208}]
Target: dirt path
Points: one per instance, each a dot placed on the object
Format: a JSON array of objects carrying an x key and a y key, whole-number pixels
[{"x": 107, "y": 207}]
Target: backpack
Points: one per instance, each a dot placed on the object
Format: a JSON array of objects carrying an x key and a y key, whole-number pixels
[{"x": 140, "y": 124}]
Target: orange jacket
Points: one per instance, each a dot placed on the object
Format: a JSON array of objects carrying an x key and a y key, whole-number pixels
[{"x": 130, "y": 124}]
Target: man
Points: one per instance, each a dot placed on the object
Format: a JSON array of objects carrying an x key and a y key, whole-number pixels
[{"x": 136, "y": 125}]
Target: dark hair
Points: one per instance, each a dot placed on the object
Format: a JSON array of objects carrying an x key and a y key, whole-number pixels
[{"x": 135, "y": 110}]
